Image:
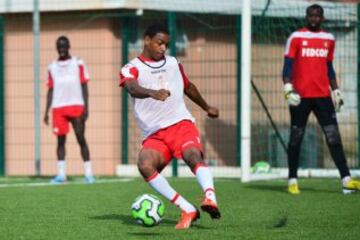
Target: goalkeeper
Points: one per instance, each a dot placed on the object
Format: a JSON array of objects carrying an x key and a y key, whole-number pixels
[{"x": 308, "y": 75}]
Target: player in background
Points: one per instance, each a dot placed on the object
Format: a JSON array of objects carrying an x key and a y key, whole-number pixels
[
  {"x": 157, "y": 84},
  {"x": 308, "y": 75},
  {"x": 68, "y": 98}
]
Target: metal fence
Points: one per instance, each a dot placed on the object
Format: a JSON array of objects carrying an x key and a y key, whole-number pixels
[{"x": 208, "y": 46}]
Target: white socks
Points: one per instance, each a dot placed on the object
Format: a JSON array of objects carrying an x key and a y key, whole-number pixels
[
  {"x": 161, "y": 185},
  {"x": 205, "y": 179},
  {"x": 88, "y": 169},
  {"x": 292, "y": 181},
  {"x": 61, "y": 168},
  {"x": 345, "y": 180}
]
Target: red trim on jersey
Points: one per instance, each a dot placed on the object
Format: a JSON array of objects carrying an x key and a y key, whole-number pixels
[
  {"x": 184, "y": 77},
  {"x": 50, "y": 82},
  {"x": 154, "y": 175},
  {"x": 173, "y": 200},
  {"x": 209, "y": 189},
  {"x": 83, "y": 79},
  {"x": 198, "y": 165},
  {"x": 132, "y": 71}
]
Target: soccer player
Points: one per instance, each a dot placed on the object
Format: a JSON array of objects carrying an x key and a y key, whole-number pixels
[
  {"x": 157, "y": 84},
  {"x": 308, "y": 75},
  {"x": 68, "y": 97}
]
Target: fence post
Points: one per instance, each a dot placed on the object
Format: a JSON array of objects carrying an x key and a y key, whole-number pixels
[
  {"x": 246, "y": 91},
  {"x": 37, "y": 87},
  {"x": 2, "y": 100},
  {"x": 238, "y": 90},
  {"x": 358, "y": 83},
  {"x": 124, "y": 96}
]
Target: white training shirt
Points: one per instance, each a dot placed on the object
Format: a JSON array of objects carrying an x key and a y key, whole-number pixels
[
  {"x": 66, "y": 77},
  {"x": 153, "y": 115}
]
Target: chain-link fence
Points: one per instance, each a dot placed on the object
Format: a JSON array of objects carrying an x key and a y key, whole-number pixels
[{"x": 208, "y": 46}]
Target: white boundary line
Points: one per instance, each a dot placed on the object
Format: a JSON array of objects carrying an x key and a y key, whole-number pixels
[
  {"x": 235, "y": 172},
  {"x": 42, "y": 184}
]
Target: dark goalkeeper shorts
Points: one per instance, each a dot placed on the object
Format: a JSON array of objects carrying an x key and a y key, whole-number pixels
[{"x": 323, "y": 109}]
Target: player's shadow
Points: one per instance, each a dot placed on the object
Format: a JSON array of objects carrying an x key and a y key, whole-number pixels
[
  {"x": 128, "y": 220},
  {"x": 283, "y": 189}
]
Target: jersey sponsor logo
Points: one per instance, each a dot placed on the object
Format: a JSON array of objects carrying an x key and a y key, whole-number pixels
[
  {"x": 314, "y": 52},
  {"x": 158, "y": 71}
]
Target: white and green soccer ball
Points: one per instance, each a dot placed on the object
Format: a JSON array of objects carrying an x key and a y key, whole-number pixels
[
  {"x": 148, "y": 210},
  {"x": 261, "y": 167}
]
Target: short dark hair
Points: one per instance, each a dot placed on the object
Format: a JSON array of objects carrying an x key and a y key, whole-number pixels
[
  {"x": 63, "y": 38},
  {"x": 315, "y": 6},
  {"x": 154, "y": 29}
]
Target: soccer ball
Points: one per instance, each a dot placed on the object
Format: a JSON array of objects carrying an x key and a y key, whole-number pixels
[
  {"x": 261, "y": 167},
  {"x": 148, "y": 210}
]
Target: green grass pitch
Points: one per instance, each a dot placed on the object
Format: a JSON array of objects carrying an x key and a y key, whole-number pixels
[{"x": 258, "y": 210}]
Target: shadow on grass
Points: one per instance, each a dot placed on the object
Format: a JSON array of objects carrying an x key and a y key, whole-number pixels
[
  {"x": 283, "y": 189},
  {"x": 128, "y": 220}
]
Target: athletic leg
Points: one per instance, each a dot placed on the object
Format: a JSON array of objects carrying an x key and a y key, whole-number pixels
[
  {"x": 60, "y": 149},
  {"x": 60, "y": 128},
  {"x": 299, "y": 116},
  {"x": 325, "y": 114},
  {"x": 79, "y": 129},
  {"x": 194, "y": 159},
  {"x": 149, "y": 163},
  {"x": 61, "y": 164}
]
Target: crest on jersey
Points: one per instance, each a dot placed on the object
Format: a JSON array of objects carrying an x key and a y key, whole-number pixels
[
  {"x": 304, "y": 43},
  {"x": 326, "y": 44}
]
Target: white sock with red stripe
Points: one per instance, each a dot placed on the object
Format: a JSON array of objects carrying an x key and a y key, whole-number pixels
[
  {"x": 161, "y": 185},
  {"x": 205, "y": 179}
]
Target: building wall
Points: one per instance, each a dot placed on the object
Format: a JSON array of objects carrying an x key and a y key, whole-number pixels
[
  {"x": 209, "y": 61},
  {"x": 95, "y": 42}
]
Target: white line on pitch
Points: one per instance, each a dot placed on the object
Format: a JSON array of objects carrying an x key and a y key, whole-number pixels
[{"x": 40, "y": 184}]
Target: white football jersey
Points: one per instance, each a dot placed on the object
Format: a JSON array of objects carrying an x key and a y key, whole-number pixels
[
  {"x": 153, "y": 115},
  {"x": 66, "y": 77}
]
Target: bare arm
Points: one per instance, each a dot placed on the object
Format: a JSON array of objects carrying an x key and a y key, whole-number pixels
[
  {"x": 193, "y": 93},
  {"x": 48, "y": 104},
  {"x": 137, "y": 91},
  {"x": 85, "y": 93}
]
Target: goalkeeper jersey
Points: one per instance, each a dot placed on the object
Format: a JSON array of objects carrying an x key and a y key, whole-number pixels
[
  {"x": 153, "y": 115},
  {"x": 310, "y": 51}
]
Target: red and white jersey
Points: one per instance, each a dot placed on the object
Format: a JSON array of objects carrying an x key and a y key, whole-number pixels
[
  {"x": 66, "y": 77},
  {"x": 153, "y": 115},
  {"x": 311, "y": 51}
]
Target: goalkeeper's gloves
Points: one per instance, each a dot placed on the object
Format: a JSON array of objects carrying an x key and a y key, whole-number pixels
[
  {"x": 291, "y": 96},
  {"x": 338, "y": 99}
]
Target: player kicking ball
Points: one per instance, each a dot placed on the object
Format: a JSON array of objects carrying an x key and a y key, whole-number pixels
[
  {"x": 157, "y": 84},
  {"x": 308, "y": 75}
]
